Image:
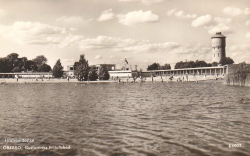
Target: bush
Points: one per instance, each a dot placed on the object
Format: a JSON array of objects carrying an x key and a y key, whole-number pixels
[
  {"x": 92, "y": 74},
  {"x": 104, "y": 74}
]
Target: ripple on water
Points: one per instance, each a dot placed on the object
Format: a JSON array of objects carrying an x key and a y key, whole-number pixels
[{"x": 146, "y": 119}]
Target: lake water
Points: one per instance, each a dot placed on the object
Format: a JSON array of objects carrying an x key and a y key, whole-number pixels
[{"x": 148, "y": 119}]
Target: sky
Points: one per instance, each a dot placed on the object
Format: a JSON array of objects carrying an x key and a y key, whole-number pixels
[{"x": 108, "y": 31}]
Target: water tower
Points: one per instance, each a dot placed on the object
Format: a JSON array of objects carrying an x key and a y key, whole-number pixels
[{"x": 218, "y": 47}]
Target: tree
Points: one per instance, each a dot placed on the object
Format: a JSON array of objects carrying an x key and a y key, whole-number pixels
[
  {"x": 154, "y": 66},
  {"x": 165, "y": 66},
  {"x": 191, "y": 64},
  {"x": 82, "y": 69},
  {"x": 57, "y": 69},
  {"x": 200, "y": 64},
  {"x": 39, "y": 60},
  {"x": 16, "y": 69},
  {"x": 30, "y": 65},
  {"x": 209, "y": 64},
  {"x": 226, "y": 60},
  {"x": 215, "y": 64},
  {"x": 104, "y": 74},
  {"x": 3, "y": 65},
  {"x": 92, "y": 74},
  {"x": 179, "y": 65},
  {"x": 12, "y": 57},
  {"x": 11, "y": 62},
  {"x": 23, "y": 60},
  {"x": 44, "y": 68}
]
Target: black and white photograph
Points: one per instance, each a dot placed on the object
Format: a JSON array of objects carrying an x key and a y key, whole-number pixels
[{"x": 124, "y": 78}]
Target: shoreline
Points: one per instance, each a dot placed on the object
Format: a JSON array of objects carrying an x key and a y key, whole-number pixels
[{"x": 123, "y": 80}]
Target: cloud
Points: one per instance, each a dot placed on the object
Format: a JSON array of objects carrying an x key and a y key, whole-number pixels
[
  {"x": 247, "y": 11},
  {"x": 171, "y": 51},
  {"x": 220, "y": 20},
  {"x": 68, "y": 60},
  {"x": 152, "y": 47},
  {"x": 129, "y": 0},
  {"x": 240, "y": 48},
  {"x": 69, "y": 21},
  {"x": 221, "y": 25},
  {"x": 112, "y": 56},
  {"x": 136, "y": 17},
  {"x": 202, "y": 21},
  {"x": 98, "y": 57},
  {"x": 176, "y": 52},
  {"x": 33, "y": 33},
  {"x": 220, "y": 28},
  {"x": 238, "y": 53},
  {"x": 70, "y": 40},
  {"x": 248, "y": 23},
  {"x": 180, "y": 14},
  {"x": 146, "y": 2},
  {"x": 1, "y": 12},
  {"x": 213, "y": 25},
  {"x": 170, "y": 12},
  {"x": 106, "y": 15},
  {"x": 72, "y": 29},
  {"x": 248, "y": 36},
  {"x": 105, "y": 42},
  {"x": 236, "y": 11}
]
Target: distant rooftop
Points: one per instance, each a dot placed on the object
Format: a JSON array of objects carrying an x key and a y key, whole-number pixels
[{"x": 218, "y": 35}]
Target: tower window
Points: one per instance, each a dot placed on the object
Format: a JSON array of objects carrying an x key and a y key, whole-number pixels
[
  {"x": 214, "y": 55},
  {"x": 218, "y": 55}
]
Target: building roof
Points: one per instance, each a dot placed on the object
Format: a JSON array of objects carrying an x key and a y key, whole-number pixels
[
  {"x": 198, "y": 68},
  {"x": 218, "y": 35}
]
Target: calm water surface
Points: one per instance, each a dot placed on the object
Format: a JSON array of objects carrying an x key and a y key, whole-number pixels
[{"x": 148, "y": 119}]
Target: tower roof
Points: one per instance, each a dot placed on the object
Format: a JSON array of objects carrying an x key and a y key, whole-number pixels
[{"x": 218, "y": 35}]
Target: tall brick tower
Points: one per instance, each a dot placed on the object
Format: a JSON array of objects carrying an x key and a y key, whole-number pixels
[{"x": 218, "y": 47}]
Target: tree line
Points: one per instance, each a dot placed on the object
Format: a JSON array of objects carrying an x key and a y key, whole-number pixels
[
  {"x": 13, "y": 63},
  {"x": 157, "y": 66},
  {"x": 190, "y": 64}
]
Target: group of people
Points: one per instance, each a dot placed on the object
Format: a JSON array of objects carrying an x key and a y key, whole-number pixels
[{"x": 36, "y": 79}]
